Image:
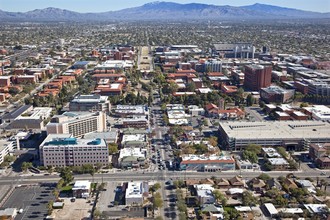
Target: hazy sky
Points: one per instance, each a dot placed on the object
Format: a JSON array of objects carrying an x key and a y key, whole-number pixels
[{"x": 110, "y": 5}]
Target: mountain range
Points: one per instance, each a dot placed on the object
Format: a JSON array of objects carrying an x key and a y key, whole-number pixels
[{"x": 166, "y": 11}]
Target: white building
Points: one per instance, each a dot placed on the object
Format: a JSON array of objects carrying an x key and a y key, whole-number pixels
[
  {"x": 5, "y": 148},
  {"x": 134, "y": 193},
  {"x": 134, "y": 139},
  {"x": 131, "y": 157},
  {"x": 131, "y": 110},
  {"x": 318, "y": 112},
  {"x": 81, "y": 189},
  {"x": 77, "y": 123},
  {"x": 204, "y": 193},
  {"x": 176, "y": 114}
]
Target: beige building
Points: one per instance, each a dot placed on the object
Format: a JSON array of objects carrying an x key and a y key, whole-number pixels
[
  {"x": 60, "y": 150},
  {"x": 77, "y": 123}
]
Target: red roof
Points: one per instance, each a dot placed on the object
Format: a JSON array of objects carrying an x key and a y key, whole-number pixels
[
  {"x": 210, "y": 106},
  {"x": 215, "y": 74}
]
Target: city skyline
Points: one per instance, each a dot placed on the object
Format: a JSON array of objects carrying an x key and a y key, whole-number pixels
[{"x": 111, "y": 5}]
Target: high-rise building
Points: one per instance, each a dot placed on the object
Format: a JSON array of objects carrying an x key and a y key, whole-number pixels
[
  {"x": 77, "y": 123},
  {"x": 257, "y": 77}
]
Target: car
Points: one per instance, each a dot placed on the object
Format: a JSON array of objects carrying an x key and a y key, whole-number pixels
[
  {"x": 73, "y": 199},
  {"x": 20, "y": 211},
  {"x": 323, "y": 173}
]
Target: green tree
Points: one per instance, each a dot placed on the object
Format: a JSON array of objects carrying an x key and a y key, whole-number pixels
[
  {"x": 26, "y": 165},
  {"x": 66, "y": 175},
  {"x": 220, "y": 197},
  {"x": 157, "y": 201},
  {"x": 191, "y": 87},
  {"x": 282, "y": 152},
  {"x": 249, "y": 100},
  {"x": 113, "y": 148},
  {"x": 248, "y": 199},
  {"x": 250, "y": 156},
  {"x": 264, "y": 177},
  {"x": 13, "y": 91},
  {"x": 254, "y": 148}
]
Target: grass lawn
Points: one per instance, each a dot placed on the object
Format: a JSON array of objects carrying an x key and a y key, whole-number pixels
[{"x": 66, "y": 189}]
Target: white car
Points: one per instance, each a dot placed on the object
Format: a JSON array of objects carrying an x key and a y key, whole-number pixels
[{"x": 20, "y": 211}]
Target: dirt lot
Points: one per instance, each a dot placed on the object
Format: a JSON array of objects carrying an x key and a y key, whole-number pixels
[{"x": 80, "y": 209}]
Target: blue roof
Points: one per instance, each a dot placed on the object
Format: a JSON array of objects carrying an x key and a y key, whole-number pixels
[{"x": 81, "y": 63}]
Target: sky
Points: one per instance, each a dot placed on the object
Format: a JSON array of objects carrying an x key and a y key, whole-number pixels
[{"x": 112, "y": 5}]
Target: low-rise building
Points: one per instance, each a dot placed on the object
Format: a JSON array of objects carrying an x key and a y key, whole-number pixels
[
  {"x": 131, "y": 158},
  {"x": 270, "y": 152},
  {"x": 270, "y": 210},
  {"x": 93, "y": 102},
  {"x": 60, "y": 150},
  {"x": 8, "y": 214},
  {"x": 130, "y": 110},
  {"x": 204, "y": 193},
  {"x": 205, "y": 163},
  {"x": 247, "y": 165},
  {"x": 278, "y": 163},
  {"x": 317, "y": 209},
  {"x": 134, "y": 192},
  {"x": 319, "y": 154},
  {"x": 134, "y": 140},
  {"x": 81, "y": 189},
  {"x": 135, "y": 122},
  {"x": 318, "y": 112},
  {"x": 33, "y": 119}
]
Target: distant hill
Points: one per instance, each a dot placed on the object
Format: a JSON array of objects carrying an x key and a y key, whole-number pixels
[{"x": 166, "y": 11}]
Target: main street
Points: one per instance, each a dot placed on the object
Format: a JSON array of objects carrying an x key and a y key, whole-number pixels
[{"x": 157, "y": 176}]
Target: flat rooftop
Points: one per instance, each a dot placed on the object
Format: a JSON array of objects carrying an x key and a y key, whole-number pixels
[
  {"x": 270, "y": 130},
  {"x": 56, "y": 140}
]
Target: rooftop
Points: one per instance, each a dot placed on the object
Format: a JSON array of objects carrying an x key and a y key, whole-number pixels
[
  {"x": 90, "y": 98},
  {"x": 131, "y": 152},
  {"x": 278, "y": 161},
  {"x": 134, "y": 190},
  {"x": 192, "y": 158},
  {"x": 273, "y": 130},
  {"x": 67, "y": 140}
]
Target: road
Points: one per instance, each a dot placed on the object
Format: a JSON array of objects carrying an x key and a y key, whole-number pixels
[
  {"x": 157, "y": 176},
  {"x": 254, "y": 113}
]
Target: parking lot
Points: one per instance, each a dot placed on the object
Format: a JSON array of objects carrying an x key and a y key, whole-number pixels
[
  {"x": 107, "y": 197},
  {"x": 32, "y": 199}
]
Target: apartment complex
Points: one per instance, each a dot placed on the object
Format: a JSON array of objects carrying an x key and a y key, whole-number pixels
[
  {"x": 257, "y": 77},
  {"x": 60, "y": 150},
  {"x": 92, "y": 102},
  {"x": 77, "y": 123}
]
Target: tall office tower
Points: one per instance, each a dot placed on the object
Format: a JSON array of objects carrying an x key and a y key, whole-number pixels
[{"x": 257, "y": 77}]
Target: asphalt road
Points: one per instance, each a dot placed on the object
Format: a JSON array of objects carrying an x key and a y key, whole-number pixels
[{"x": 146, "y": 176}]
